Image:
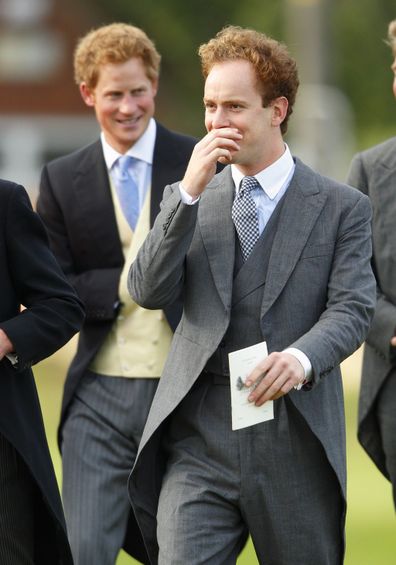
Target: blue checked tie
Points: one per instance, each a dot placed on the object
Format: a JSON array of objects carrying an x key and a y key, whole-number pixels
[
  {"x": 127, "y": 190},
  {"x": 244, "y": 216}
]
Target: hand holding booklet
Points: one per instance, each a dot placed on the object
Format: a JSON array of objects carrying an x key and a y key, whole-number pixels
[{"x": 242, "y": 362}]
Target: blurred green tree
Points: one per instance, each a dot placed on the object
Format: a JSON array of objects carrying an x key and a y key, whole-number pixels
[
  {"x": 357, "y": 56},
  {"x": 178, "y": 28},
  {"x": 362, "y": 65}
]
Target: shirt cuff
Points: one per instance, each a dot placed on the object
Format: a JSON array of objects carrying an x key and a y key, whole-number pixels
[
  {"x": 187, "y": 198},
  {"x": 305, "y": 362},
  {"x": 13, "y": 358}
]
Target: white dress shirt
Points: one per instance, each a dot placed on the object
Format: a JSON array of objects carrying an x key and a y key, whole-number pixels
[{"x": 142, "y": 150}]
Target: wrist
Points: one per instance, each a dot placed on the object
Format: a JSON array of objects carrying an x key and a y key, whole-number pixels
[{"x": 187, "y": 197}]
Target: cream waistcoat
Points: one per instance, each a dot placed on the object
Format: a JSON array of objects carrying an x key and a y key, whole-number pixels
[{"x": 139, "y": 340}]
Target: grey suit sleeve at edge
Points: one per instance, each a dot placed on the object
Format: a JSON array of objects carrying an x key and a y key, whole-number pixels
[
  {"x": 357, "y": 175},
  {"x": 384, "y": 321}
]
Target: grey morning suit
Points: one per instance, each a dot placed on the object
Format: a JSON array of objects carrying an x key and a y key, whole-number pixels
[
  {"x": 310, "y": 298},
  {"x": 374, "y": 173}
]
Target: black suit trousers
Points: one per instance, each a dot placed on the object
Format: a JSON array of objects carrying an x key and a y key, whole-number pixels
[{"x": 17, "y": 493}]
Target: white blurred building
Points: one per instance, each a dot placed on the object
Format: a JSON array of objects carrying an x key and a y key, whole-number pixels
[{"x": 41, "y": 112}]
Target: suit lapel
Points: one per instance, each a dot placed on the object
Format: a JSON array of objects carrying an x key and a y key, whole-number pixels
[
  {"x": 387, "y": 160},
  {"x": 384, "y": 175},
  {"x": 95, "y": 204},
  {"x": 303, "y": 204},
  {"x": 218, "y": 233}
]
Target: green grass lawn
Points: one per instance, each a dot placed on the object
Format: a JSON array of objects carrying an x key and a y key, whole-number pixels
[{"x": 370, "y": 535}]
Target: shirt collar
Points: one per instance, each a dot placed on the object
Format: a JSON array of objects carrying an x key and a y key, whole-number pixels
[
  {"x": 272, "y": 178},
  {"x": 142, "y": 149}
]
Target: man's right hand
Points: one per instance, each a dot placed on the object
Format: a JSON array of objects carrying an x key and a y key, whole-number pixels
[
  {"x": 5, "y": 344},
  {"x": 217, "y": 145}
]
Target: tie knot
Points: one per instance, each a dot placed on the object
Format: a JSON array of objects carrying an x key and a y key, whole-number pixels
[
  {"x": 122, "y": 166},
  {"x": 248, "y": 184}
]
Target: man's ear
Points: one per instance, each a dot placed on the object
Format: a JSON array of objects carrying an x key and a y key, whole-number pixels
[
  {"x": 154, "y": 86},
  {"x": 87, "y": 95},
  {"x": 279, "y": 110}
]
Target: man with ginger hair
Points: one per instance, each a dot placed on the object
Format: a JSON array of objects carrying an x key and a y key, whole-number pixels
[
  {"x": 374, "y": 173},
  {"x": 94, "y": 230},
  {"x": 266, "y": 250}
]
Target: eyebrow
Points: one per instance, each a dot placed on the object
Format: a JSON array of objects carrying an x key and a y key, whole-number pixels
[{"x": 228, "y": 101}]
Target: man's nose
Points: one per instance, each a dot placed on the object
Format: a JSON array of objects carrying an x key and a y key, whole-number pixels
[
  {"x": 128, "y": 104},
  {"x": 220, "y": 119}
]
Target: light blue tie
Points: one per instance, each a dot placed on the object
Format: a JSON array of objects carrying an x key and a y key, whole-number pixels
[{"x": 127, "y": 190}]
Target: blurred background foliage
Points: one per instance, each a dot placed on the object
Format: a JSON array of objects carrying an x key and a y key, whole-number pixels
[
  {"x": 345, "y": 102},
  {"x": 356, "y": 58},
  {"x": 362, "y": 61},
  {"x": 178, "y": 28}
]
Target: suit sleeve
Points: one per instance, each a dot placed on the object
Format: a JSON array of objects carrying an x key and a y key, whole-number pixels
[
  {"x": 96, "y": 287},
  {"x": 156, "y": 277},
  {"x": 384, "y": 321},
  {"x": 53, "y": 313},
  {"x": 350, "y": 298}
]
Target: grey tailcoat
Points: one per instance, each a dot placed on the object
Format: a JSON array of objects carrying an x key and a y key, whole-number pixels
[
  {"x": 319, "y": 296},
  {"x": 374, "y": 173}
]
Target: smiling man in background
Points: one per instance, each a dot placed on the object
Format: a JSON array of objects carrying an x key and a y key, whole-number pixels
[{"x": 98, "y": 204}]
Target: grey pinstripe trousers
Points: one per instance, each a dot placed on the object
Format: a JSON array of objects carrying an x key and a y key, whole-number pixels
[{"x": 99, "y": 445}]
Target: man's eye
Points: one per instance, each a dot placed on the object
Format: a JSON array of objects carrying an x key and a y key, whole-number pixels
[{"x": 138, "y": 91}]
